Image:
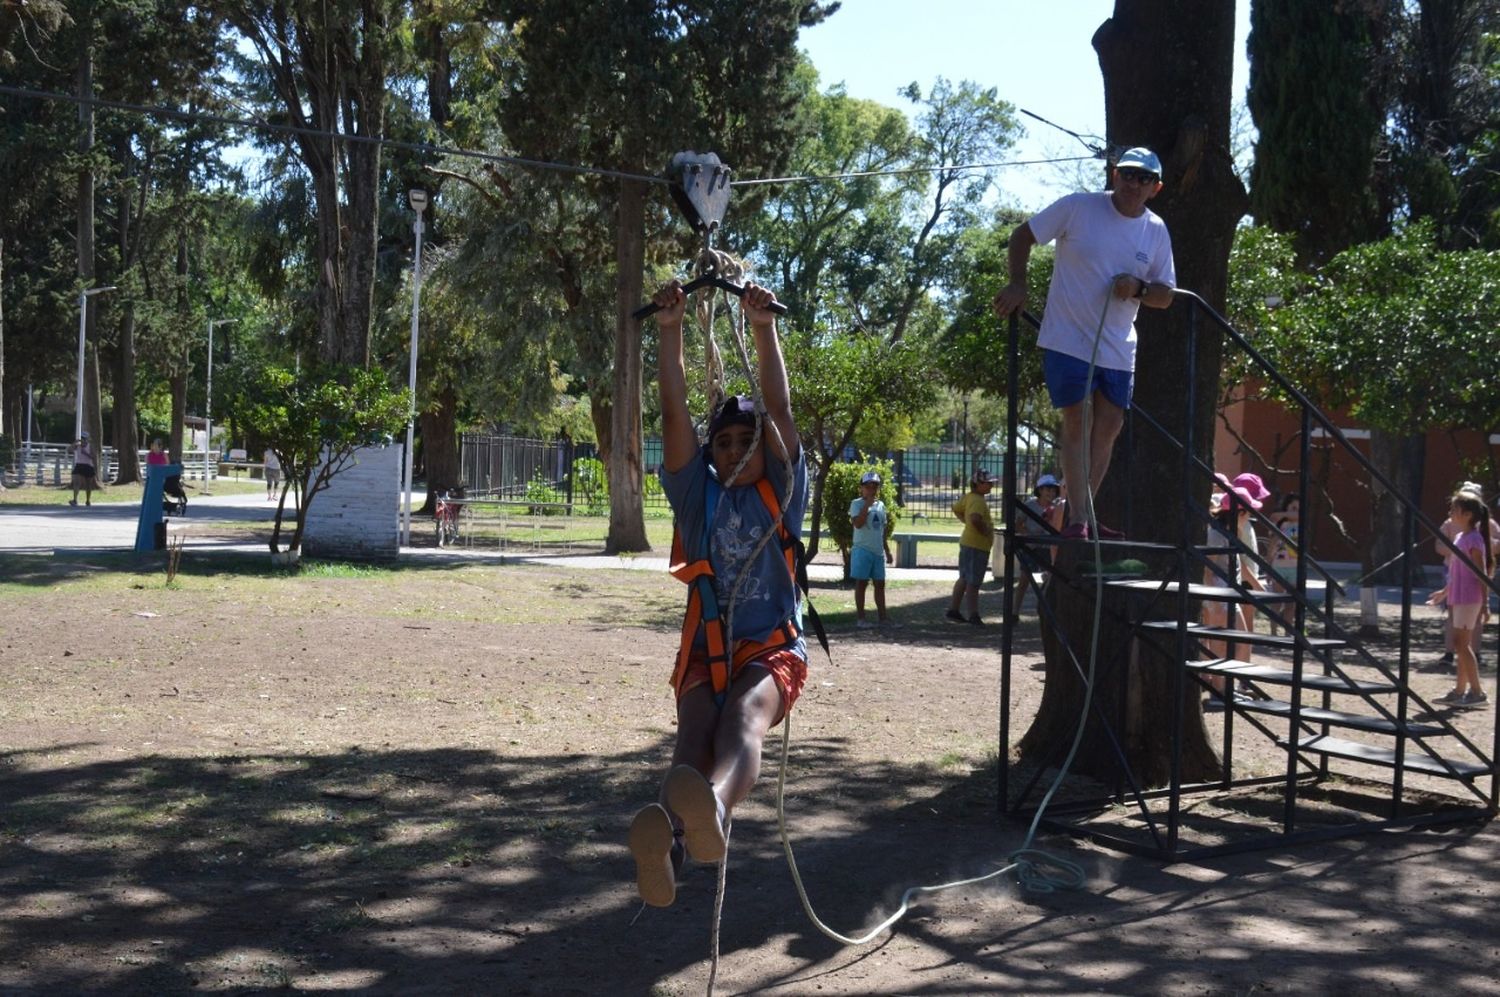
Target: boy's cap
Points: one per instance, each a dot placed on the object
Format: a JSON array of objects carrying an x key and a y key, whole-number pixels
[
  {"x": 737, "y": 410},
  {"x": 1139, "y": 158},
  {"x": 982, "y": 477},
  {"x": 1047, "y": 481},
  {"x": 870, "y": 478},
  {"x": 83, "y": 436}
]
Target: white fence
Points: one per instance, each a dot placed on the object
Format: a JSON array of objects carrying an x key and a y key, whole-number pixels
[{"x": 52, "y": 464}]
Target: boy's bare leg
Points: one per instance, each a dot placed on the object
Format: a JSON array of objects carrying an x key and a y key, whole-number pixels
[
  {"x": 697, "y": 716},
  {"x": 859, "y": 597},
  {"x": 754, "y": 704},
  {"x": 880, "y": 599},
  {"x": 958, "y": 594}
]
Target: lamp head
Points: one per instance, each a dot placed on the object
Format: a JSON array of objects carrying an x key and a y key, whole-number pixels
[{"x": 418, "y": 199}]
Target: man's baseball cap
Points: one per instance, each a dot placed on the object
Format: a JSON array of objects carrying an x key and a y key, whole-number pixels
[
  {"x": 870, "y": 478},
  {"x": 1139, "y": 158},
  {"x": 982, "y": 477}
]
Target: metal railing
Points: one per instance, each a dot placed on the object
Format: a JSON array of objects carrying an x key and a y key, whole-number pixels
[{"x": 1306, "y": 614}]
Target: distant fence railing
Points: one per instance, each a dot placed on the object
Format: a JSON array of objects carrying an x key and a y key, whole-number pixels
[
  {"x": 506, "y": 466},
  {"x": 52, "y": 464},
  {"x": 928, "y": 479}
]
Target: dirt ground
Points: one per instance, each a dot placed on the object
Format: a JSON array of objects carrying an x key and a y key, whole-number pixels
[{"x": 418, "y": 782}]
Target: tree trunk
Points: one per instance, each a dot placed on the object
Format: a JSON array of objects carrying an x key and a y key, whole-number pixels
[
  {"x": 627, "y": 520},
  {"x": 362, "y": 181},
  {"x": 1133, "y": 681},
  {"x": 1179, "y": 53},
  {"x": 440, "y": 453},
  {"x": 129, "y": 465},
  {"x": 177, "y": 384},
  {"x": 602, "y": 415},
  {"x": 3, "y": 395}
]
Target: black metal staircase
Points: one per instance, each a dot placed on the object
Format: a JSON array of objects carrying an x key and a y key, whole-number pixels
[{"x": 1339, "y": 711}]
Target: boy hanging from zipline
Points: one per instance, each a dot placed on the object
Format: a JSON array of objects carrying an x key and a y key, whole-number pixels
[{"x": 749, "y": 478}]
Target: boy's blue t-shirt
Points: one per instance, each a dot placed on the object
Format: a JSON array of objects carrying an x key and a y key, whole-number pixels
[
  {"x": 871, "y": 536},
  {"x": 768, "y": 597}
]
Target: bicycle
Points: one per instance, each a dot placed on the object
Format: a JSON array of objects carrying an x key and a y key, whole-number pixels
[{"x": 445, "y": 517}]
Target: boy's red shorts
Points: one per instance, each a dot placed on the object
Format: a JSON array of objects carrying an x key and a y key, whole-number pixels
[{"x": 788, "y": 670}]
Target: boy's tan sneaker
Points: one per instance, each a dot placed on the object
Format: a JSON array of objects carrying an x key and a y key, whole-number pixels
[
  {"x": 651, "y": 847},
  {"x": 697, "y": 806}
]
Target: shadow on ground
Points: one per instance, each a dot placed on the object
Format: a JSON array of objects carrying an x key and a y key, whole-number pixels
[{"x": 463, "y": 871}]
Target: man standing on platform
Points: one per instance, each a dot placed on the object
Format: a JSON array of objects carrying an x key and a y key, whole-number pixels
[{"x": 1113, "y": 255}]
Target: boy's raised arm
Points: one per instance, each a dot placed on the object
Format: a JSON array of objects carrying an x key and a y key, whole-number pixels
[
  {"x": 774, "y": 389},
  {"x": 679, "y": 441}
]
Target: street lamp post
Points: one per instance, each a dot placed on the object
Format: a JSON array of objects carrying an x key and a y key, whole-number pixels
[
  {"x": 83, "y": 329},
  {"x": 418, "y": 199},
  {"x": 208, "y": 400}
]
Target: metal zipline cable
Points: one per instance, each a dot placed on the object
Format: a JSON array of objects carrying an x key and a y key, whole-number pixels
[
  {"x": 818, "y": 178},
  {"x": 260, "y": 125},
  {"x": 257, "y": 124}
]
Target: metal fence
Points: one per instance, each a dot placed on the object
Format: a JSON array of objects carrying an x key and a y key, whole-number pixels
[
  {"x": 928, "y": 479},
  {"x": 513, "y": 467}
]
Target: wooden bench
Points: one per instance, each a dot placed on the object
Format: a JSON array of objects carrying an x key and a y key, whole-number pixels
[{"x": 906, "y": 545}]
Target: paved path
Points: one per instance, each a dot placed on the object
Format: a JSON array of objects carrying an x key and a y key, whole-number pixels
[{"x": 54, "y": 529}]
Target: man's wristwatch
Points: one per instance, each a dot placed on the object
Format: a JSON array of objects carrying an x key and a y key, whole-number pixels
[{"x": 1140, "y": 292}]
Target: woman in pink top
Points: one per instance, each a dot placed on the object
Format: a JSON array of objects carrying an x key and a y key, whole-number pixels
[{"x": 1466, "y": 594}]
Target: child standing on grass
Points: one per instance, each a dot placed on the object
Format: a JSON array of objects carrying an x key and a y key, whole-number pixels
[
  {"x": 871, "y": 551},
  {"x": 973, "y": 547},
  {"x": 1466, "y": 594},
  {"x": 84, "y": 474},
  {"x": 726, "y": 497}
]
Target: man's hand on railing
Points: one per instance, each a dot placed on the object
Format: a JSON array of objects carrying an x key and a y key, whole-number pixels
[{"x": 1011, "y": 299}]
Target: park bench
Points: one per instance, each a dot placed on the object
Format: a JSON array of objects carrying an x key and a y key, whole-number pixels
[{"x": 906, "y": 545}]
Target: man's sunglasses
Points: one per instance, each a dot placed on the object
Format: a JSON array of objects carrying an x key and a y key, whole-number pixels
[{"x": 1138, "y": 176}]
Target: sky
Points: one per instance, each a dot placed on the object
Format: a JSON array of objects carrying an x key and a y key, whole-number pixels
[{"x": 1036, "y": 55}]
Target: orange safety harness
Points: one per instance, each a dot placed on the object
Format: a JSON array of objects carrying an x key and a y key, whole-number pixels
[{"x": 703, "y": 600}]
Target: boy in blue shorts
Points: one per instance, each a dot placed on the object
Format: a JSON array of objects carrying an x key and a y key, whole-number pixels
[
  {"x": 1113, "y": 255},
  {"x": 869, "y": 517}
]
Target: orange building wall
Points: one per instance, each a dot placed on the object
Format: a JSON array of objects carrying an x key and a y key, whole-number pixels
[{"x": 1263, "y": 437}]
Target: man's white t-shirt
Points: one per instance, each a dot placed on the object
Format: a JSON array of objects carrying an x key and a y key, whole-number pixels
[{"x": 1094, "y": 244}]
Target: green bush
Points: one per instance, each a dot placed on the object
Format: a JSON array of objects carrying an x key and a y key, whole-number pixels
[
  {"x": 591, "y": 485},
  {"x": 549, "y": 501},
  {"x": 842, "y": 487}
]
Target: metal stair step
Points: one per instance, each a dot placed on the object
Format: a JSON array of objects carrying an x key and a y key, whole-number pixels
[
  {"x": 1280, "y": 676},
  {"x": 1215, "y": 593},
  {"x": 1247, "y": 637},
  {"x": 1054, "y": 540},
  {"x": 1417, "y": 761},
  {"x": 1354, "y": 721}
]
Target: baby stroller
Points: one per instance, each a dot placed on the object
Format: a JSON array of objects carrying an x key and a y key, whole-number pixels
[{"x": 173, "y": 498}]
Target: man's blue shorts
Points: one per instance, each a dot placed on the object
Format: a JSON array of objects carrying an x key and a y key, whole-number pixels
[
  {"x": 866, "y": 565},
  {"x": 1067, "y": 381}
]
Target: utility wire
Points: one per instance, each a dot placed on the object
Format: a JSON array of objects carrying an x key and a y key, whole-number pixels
[
  {"x": 261, "y": 125},
  {"x": 257, "y": 124}
]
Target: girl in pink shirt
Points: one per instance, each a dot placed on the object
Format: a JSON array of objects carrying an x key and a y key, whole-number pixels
[{"x": 1466, "y": 593}]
